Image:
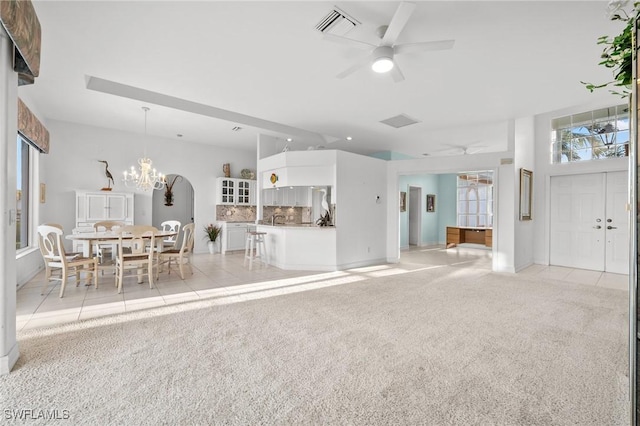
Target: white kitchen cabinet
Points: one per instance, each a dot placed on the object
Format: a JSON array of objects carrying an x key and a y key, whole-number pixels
[
  {"x": 234, "y": 235},
  {"x": 298, "y": 196},
  {"x": 244, "y": 192},
  {"x": 288, "y": 196},
  {"x": 268, "y": 197},
  {"x": 235, "y": 192},
  {"x": 225, "y": 191},
  {"x": 303, "y": 196},
  {"x": 253, "y": 187}
]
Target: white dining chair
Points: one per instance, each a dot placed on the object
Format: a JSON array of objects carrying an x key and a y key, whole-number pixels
[
  {"x": 55, "y": 257},
  {"x": 173, "y": 226},
  {"x": 141, "y": 256},
  {"x": 181, "y": 256},
  {"x": 105, "y": 251}
]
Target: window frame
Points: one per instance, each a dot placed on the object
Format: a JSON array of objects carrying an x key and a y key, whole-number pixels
[
  {"x": 32, "y": 197},
  {"x": 599, "y": 134}
]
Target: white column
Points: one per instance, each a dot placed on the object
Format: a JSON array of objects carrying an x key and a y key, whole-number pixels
[{"x": 8, "y": 135}]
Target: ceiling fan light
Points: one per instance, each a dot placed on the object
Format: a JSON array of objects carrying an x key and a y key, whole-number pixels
[{"x": 382, "y": 65}]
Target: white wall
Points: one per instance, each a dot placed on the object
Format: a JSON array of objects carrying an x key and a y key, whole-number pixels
[
  {"x": 8, "y": 133},
  {"x": 524, "y": 155},
  {"x": 361, "y": 222},
  {"x": 73, "y": 164}
]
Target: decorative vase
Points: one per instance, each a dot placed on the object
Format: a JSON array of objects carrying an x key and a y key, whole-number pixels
[{"x": 213, "y": 247}]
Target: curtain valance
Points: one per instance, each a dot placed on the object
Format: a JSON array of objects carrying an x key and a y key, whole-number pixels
[
  {"x": 21, "y": 23},
  {"x": 31, "y": 128}
]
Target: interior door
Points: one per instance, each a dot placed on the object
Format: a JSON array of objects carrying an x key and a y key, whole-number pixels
[
  {"x": 589, "y": 222},
  {"x": 577, "y": 222},
  {"x": 616, "y": 223},
  {"x": 415, "y": 211}
]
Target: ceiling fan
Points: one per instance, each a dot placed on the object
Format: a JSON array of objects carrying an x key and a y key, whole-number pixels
[
  {"x": 461, "y": 149},
  {"x": 381, "y": 56}
]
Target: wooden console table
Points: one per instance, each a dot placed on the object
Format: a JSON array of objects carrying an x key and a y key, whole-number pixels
[{"x": 460, "y": 234}]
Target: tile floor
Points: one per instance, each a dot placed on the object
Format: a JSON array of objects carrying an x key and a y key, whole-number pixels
[{"x": 215, "y": 275}]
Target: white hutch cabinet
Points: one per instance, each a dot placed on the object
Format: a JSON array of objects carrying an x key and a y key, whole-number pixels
[{"x": 92, "y": 207}]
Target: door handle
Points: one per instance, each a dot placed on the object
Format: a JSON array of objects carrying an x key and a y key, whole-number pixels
[
  {"x": 612, "y": 227},
  {"x": 597, "y": 227}
]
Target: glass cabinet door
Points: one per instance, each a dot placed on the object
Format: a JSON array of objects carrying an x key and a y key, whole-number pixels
[{"x": 228, "y": 191}]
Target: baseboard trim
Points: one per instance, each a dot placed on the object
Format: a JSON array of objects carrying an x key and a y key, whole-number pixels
[{"x": 8, "y": 361}]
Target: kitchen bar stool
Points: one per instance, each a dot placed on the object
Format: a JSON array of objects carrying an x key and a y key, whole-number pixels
[{"x": 254, "y": 248}]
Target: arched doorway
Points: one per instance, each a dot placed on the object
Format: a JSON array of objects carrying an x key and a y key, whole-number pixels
[{"x": 180, "y": 208}]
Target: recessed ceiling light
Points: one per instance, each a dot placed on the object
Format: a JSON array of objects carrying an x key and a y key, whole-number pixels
[
  {"x": 289, "y": 139},
  {"x": 349, "y": 138}
]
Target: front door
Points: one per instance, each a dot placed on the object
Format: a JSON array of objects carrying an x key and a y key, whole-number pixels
[
  {"x": 617, "y": 224},
  {"x": 588, "y": 223}
]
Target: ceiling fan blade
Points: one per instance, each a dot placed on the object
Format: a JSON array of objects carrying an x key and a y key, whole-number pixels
[
  {"x": 424, "y": 46},
  {"x": 355, "y": 67},
  {"x": 348, "y": 41},
  {"x": 399, "y": 20},
  {"x": 396, "y": 74}
]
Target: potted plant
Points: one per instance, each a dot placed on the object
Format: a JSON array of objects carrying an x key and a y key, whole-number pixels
[
  {"x": 213, "y": 232},
  {"x": 618, "y": 52}
]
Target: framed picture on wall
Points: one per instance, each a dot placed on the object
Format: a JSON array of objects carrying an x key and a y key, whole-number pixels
[
  {"x": 403, "y": 201},
  {"x": 526, "y": 184},
  {"x": 431, "y": 203}
]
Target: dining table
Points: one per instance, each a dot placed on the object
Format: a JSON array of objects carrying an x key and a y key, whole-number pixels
[{"x": 90, "y": 239}]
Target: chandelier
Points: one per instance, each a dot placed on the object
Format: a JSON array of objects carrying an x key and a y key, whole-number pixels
[{"x": 147, "y": 178}]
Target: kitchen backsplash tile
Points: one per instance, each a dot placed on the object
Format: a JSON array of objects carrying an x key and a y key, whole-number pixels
[
  {"x": 291, "y": 214},
  {"x": 248, "y": 213},
  {"x": 236, "y": 213}
]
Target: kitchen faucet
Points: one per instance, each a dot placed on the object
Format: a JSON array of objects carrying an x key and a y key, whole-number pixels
[{"x": 274, "y": 217}]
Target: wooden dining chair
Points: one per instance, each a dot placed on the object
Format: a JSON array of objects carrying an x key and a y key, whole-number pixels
[
  {"x": 49, "y": 270},
  {"x": 181, "y": 256},
  {"x": 141, "y": 254},
  {"x": 105, "y": 251},
  {"x": 171, "y": 242},
  {"x": 55, "y": 257}
]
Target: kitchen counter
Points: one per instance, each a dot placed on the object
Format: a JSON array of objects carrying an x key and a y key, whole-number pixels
[{"x": 305, "y": 247}]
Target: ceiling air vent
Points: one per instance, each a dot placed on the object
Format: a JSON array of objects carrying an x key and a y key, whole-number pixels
[
  {"x": 401, "y": 120},
  {"x": 337, "y": 23}
]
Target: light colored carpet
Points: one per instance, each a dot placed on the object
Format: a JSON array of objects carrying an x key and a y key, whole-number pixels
[{"x": 436, "y": 346}]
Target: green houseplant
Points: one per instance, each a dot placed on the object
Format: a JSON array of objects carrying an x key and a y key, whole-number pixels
[
  {"x": 618, "y": 52},
  {"x": 212, "y": 234}
]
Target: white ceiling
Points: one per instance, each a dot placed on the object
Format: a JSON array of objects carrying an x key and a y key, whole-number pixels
[{"x": 266, "y": 60}]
